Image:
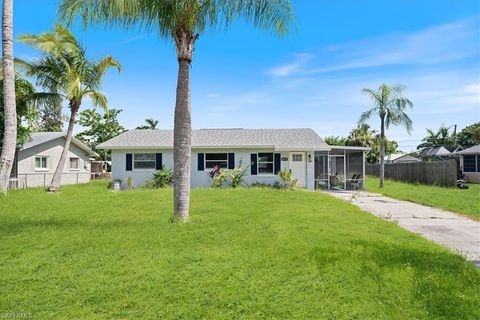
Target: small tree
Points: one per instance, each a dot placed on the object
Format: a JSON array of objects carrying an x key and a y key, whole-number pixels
[
  {"x": 26, "y": 111},
  {"x": 470, "y": 135},
  {"x": 390, "y": 106},
  {"x": 100, "y": 128}
]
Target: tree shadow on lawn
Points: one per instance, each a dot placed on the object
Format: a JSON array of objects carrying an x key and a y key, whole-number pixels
[{"x": 445, "y": 284}]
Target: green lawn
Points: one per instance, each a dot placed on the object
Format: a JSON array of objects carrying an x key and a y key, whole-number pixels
[
  {"x": 88, "y": 253},
  {"x": 465, "y": 202}
]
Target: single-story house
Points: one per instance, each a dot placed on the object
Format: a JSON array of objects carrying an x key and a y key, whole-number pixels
[
  {"x": 400, "y": 158},
  {"x": 435, "y": 152},
  {"x": 470, "y": 163},
  {"x": 36, "y": 161},
  {"x": 136, "y": 154}
]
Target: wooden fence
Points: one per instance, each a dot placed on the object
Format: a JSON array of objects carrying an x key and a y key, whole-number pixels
[{"x": 441, "y": 173}]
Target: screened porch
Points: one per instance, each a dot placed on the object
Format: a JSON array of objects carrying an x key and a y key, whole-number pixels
[{"x": 341, "y": 168}]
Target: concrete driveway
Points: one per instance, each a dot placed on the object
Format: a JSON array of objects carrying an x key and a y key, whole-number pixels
[{"x": 460, "y": 234}]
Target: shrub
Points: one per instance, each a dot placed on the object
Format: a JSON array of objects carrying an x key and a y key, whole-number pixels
[
  {"x": 288, "y": 181},
  {"x": 220, "y": 179},
  {"x": 237, "y": 176},
  {"x": 161, "y": 179},
  {"x": 129, "y": 183},
  {"x": 233, "y": 178}
]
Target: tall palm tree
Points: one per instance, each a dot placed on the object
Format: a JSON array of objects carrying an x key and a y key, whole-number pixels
[
  {"x": 10, "y": 109},
  {"x": 390, "y": 105},
  {"x": 150, "y": 123},
  {"x": 65, "y": 71},
  {"x": 181, "y": 21}
]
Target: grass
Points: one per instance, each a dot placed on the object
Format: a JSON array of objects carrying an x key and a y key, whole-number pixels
[
  {"x": 88, "y": 253},
  {"x": 466, "y": 202}
]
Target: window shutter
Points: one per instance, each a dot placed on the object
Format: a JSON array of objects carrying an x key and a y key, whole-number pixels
[
  {"x": 253, "y": 163},
  {"x": 231, "y": 161},
  {"x": 128, "y": 165},
  {"x": 158, "y": 161},
  {"x": 201, "y": 162},
  {"x": 277, "y": 165}
]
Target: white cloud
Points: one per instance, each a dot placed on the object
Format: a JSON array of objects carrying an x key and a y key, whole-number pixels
[
  {"x": 298, "y": 62},
  {"x": 131, "y": 39},
  {"x": 441, "y": 43}
]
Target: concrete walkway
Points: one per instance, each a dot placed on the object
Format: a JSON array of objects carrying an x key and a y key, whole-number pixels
[{"x": 460, "y": 234}]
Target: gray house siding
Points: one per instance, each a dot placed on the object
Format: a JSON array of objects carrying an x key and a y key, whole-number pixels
[{"x": 30, "y": 176}]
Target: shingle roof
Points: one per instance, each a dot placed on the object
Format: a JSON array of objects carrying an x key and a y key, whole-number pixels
[
  {"x": 471, "y": 150},
  {"x": 435, "y": 152},
  {"x": 37, "y": 138},
  {"x": 279, "y": 139}
]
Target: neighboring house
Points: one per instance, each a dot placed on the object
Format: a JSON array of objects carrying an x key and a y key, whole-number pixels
[
  {"x": 401, "y": 158},
  {"x": 439, "y": 153},
  {"x": 470, "y": 163},
  {"x": 136, "y": 154},
  {"x": 36, "y": 161},
  {"x": 435, "y": 152}
]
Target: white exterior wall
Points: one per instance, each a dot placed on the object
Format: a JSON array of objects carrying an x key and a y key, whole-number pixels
[
  {"x": 200, "y": 179},
  {"x": 29, "y": 176}
]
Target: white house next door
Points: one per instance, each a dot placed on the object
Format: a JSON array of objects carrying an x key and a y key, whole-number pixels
[{"x": 298, "y": 167}]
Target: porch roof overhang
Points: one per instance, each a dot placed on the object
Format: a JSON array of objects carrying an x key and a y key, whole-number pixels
[{"x": 352, "y": 148}]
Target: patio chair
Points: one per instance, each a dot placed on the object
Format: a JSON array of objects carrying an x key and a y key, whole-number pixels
[
  {"x": 354, "y": 182},
  {"x": 335, "y": 182}
]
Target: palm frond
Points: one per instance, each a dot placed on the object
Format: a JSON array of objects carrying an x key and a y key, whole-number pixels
[
  {"x": 365, "y": 116},
  {"x": 164, "y": 17},
  {"x": 98, "y": 99}
]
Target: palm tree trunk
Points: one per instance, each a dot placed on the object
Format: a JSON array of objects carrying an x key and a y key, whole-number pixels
[
  {"x": 182, "y": 141},
  {"x": 382, "y": 151},
  {"x": 57, "y": 176},
  {"x": 182, "y": 130},
  {"x": 10, "y": 109}
]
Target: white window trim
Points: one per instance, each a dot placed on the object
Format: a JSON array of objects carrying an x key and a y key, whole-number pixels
[
  {"x": 205, "y": 161},
  {"x": 272, "y": 162},
  {"x": 35, "y": 163},
  {"x": 70, "y": 164},
  {"x": 144, "y": 169}
]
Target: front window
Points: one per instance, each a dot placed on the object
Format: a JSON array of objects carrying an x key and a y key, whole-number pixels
[
  {"x": 41, "y": 163},
  {"x": 265, "y": 163},
  {"x": 144, "y": 161},
  {"x": 74, "y": 163},
  {"x": 214, "y": 159}
]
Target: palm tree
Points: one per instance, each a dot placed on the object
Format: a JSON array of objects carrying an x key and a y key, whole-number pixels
[
  {"x": 65, "y": 71},
  {"x": 439, "y": 138},
  {"x": 150, "y": 123},
  {"x": 181, "y": 21},
  {"x": 10, "y": 109},
  {"x": 390, "y": 105}
]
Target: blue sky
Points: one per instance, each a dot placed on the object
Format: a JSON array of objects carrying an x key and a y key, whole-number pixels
[{"x": 311, "y": 78}]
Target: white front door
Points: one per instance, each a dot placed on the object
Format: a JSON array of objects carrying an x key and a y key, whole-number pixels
[{"x": 298, "y": 167}]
